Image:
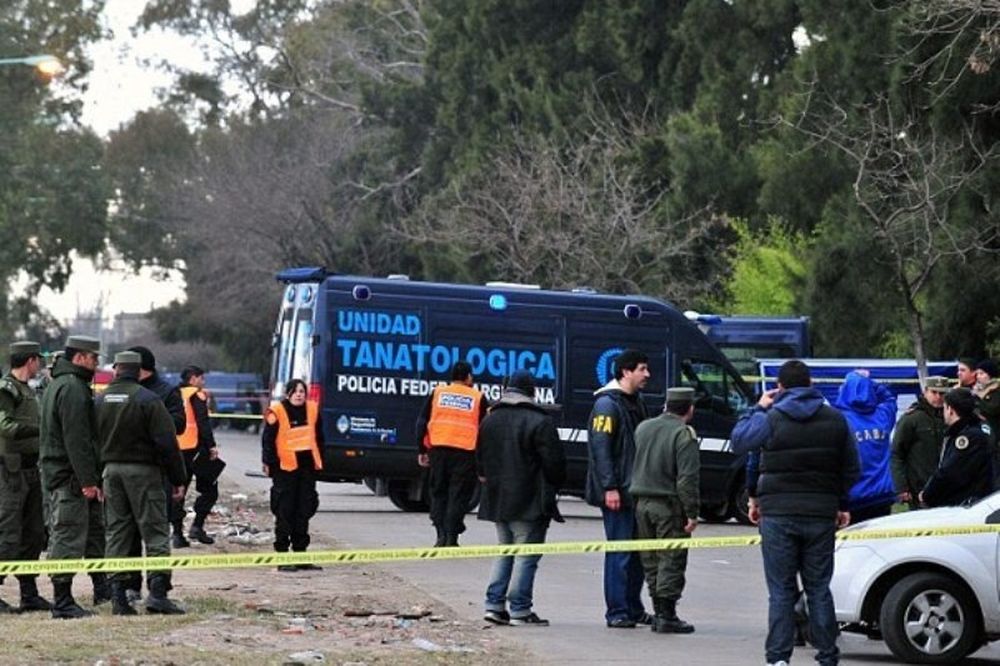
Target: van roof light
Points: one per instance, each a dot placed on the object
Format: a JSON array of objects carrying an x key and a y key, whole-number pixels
[
  {"x": 512, "y": 285},
  {"x": 361, "y": 292},
  {"x": 632, "y": 311}
]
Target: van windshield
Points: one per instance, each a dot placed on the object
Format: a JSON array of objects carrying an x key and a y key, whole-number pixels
[
  {"x": 715, "y": 387},
  {"x": 293, "y": 339}
]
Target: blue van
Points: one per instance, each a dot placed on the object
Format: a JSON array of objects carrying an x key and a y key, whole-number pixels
[{"x": 371, "y": 350}]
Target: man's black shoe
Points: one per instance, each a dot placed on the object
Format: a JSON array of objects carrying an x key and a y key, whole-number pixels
[
  {"x": 645, "y": 618},
  {"x": 531, "y": 620},
  {"x": 178, "y": 541},
  {"x": 497, "y": 617},
  {"x": 199, "y": 535},
  {"x": 5, "y": 607},
  {"x": 308, "y": 566},
  {"x": 621, "y": 623},
  {"x": 287, "y": 568},
  {"x": 34, "y": 603}
]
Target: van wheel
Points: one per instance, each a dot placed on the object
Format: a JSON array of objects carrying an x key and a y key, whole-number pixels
[
  {"x": 399, "y": 495},
  {"x": 929, "y": 618}
]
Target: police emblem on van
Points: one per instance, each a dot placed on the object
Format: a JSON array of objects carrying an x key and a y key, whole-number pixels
[
  {"x": 343, "y": 424},
  {"x": 605, "y": 367}
]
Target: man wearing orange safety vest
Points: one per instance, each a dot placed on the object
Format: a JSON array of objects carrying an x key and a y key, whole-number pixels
[
  {"x": 447, "y": 431},
  {"x": 197, "y": 444}
]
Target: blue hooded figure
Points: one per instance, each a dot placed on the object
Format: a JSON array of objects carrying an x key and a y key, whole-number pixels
[{"x": 870, "y": 410}]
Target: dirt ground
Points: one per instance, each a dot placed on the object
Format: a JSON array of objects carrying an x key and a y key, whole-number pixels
[{"x": 349, "y": 615}]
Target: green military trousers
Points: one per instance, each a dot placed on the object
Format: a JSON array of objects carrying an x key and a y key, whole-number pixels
[
  {"x": 662, "y": 518},
  {"x": 22, "y": 526},
  {"x": 76, "y": 526},
  {"x": 135, "y": 505}
]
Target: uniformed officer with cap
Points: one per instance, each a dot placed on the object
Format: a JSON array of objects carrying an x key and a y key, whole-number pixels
[
  {"x": 138, "y": 446},
  {"x": 665, "y": 490},
  {"x": 965, "y": 473},
  {"x": 22, "y": 528},
  {"x": 916, "y": 441},
  {"x": 71, "y": 473}
]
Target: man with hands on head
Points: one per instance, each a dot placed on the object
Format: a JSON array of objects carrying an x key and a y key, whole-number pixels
[{"x": 808, "y": 463}]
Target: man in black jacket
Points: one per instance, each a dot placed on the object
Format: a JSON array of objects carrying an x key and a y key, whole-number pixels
[
  {"x": 617, "y": 412},
  {"x": 521, "y": 463},
  {"x": 965, "y": 473},
  {"x": 807, "y": 466},
  {"x": 138, "y": 446}
]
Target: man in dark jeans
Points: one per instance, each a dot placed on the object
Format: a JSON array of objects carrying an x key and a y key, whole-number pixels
[
  {"x": 808, "y": 464},
  {"x": 617, "y": 412}
]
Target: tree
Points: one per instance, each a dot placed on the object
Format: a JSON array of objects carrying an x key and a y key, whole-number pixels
[
  {"x": 767, "y": 271},
  {"x": 565, "y": 217},
  {"x": 53, "y": 193},
  {"x": 908, "y": 178}
]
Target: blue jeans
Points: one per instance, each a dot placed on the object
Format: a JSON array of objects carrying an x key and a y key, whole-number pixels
[
  {"x": 797, "y": 545},
  {"x": 623, "y": 575},
  {"x": 513, "y": 578}
]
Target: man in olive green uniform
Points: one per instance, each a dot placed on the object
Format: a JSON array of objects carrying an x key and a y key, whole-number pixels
[
  {"x": 665, "y": 489},
  {"x": 71, "y": 473},
  {"x": 22, "y": 528},
  {"x": 138, "y": 445},
  {"x": 916, "y": 441}
]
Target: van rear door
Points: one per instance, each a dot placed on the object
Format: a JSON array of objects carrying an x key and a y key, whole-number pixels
[{"x": 293, "y": 338}]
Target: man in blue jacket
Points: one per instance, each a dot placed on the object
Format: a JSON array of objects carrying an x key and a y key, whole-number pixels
[
  {"x": 617, "y": 412},
  {"x": 807, "y": 466},
  {"x": 870, "y": 410}
]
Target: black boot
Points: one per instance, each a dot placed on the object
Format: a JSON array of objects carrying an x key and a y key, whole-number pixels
[
  {"x": 451, "y": 539},
  {"x": 119, "y": 600},
  {"x": 30, "y": 599},
  {"x": 198, "y": 534},
  {"x": 440, "y": 536},
  {"x": 666, "y": 621},
  {"x": 157, "y": 601},
  {"x": 178, "y": 540},
  {"x": 65, "y": 606},
  {"x": 102, "y": 590}
]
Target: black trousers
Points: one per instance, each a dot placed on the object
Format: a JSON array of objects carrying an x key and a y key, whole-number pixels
[
  {"x": 294, "y": 501},
  {"x": 208, "y": 493},
  {"x": 452, "y": 484}
]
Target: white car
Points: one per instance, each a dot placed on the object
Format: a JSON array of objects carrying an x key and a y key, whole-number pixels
[{"x": 933, "y": 599}]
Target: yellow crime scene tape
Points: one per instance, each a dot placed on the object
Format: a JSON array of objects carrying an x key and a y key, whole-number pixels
[{"x": 247, "y": 560}]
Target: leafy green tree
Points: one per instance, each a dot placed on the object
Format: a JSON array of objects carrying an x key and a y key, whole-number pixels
[{"x": 768, "y": 270}]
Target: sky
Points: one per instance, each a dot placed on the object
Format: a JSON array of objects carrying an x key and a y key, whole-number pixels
[{"x": 124, "y": 81}]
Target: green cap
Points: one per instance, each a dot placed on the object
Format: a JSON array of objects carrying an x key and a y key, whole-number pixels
[
  {"x": 25, "y": 347},
  {"x": 128, "y": 358},
  {"x": 680, "y": 394},
  {"x": 938, "y": 384},
  {"x": 84, "y": 343}
]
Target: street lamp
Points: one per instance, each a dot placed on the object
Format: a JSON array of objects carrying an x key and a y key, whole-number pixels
[{"x": 48, "y": 65}]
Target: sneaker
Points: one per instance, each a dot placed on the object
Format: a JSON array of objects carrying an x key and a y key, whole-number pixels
[
  {"x": 497, "y": 617},
  {"x": 621, "y": 623},
  {"x": 531, "y": 620}
]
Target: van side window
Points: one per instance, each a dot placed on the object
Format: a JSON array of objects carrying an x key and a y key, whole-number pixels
[{"x": 715, "y": 389}]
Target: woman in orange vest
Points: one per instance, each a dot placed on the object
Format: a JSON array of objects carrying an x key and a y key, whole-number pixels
[{"x": 291, "y": 444}]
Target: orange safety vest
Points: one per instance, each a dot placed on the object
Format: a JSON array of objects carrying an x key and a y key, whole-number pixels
[
  {"x": 188, "y": 439},
  {"x": 454, "y": 417},
  {"x": 289, "y": 441}
]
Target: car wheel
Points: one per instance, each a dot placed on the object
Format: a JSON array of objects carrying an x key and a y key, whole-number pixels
[
  {"x": 714, "y": 513},
  {"x": 399, "y": 495},
  {"x": 741, "y": 505},
  {"x": 929, "y": 618}
]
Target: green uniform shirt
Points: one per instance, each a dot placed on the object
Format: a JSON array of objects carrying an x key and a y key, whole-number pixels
[
  {"x": 67, "y": 441},
  {"x": 18, "y": 418},
  {"x": 989, "y": 407},
  {"x": 916, "y": 447},
  {"x": 134, "y": 426},
  {"x": 667, "y": 462}
]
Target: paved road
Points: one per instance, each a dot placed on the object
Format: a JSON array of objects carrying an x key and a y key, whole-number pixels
[{"x": 725, "y": 598}]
